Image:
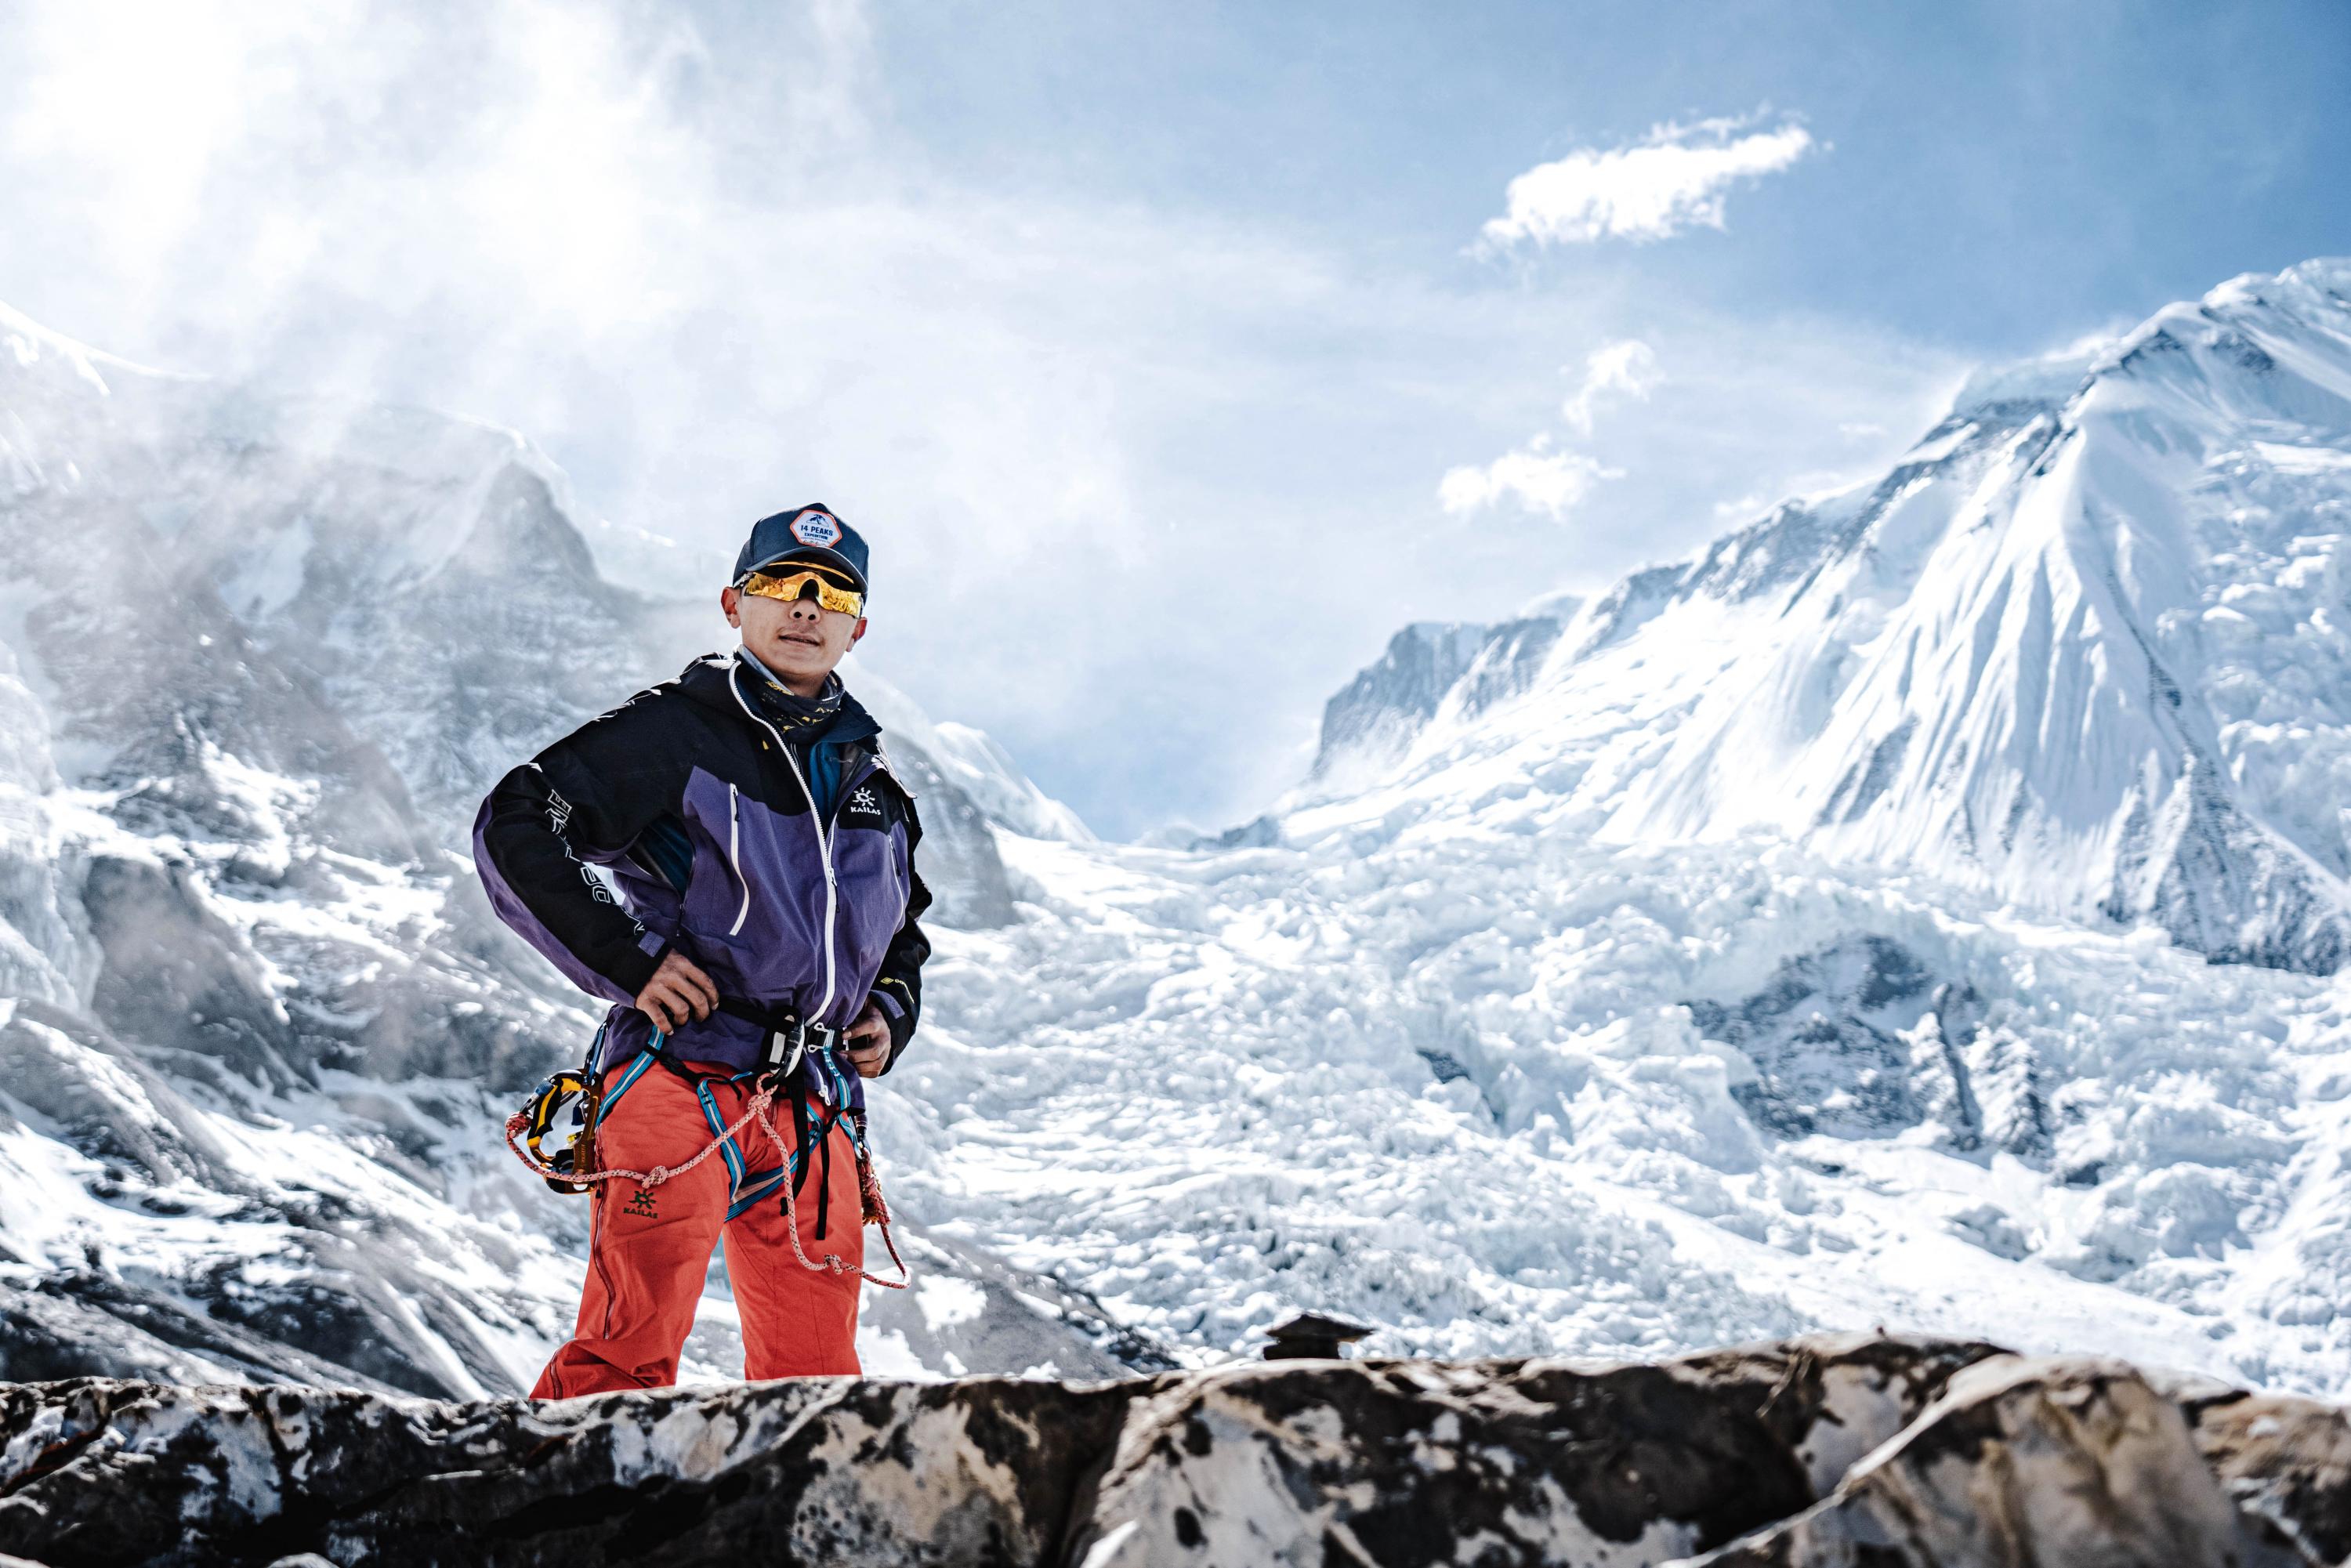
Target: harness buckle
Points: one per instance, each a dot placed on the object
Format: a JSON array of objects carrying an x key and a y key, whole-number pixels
[
  {"x": 785, "y": 1048},
  {"x": 788, "y": 1047}
]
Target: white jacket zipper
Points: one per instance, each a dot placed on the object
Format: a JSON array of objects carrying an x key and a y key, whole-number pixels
[
  {"x": 831, "y": 891},
  {"x": 890, "y": 869},
  {"x": 733, "y": 843},
  {"x": 816, "y": 822}
]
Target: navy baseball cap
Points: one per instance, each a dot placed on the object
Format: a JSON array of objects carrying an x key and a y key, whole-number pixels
[{"x": 811, "y": 533}]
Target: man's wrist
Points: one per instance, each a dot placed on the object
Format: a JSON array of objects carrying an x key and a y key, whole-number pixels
[
  {"x": 901, "y": 1022},
  {"x": 634, "y": 970}
]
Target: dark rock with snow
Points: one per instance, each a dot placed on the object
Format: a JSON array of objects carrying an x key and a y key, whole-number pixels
[
  {"x": 2026, "y": 1461},
  {"x": 177, "y": 974},
  {"x": 1824, "y": 1038},
  {"x": 1858, "y": 1039},
  {"x": 1312, "y": 1335},
  {"x": 1844, "y": 1450},
  {"x": 1373, "y": 721}
]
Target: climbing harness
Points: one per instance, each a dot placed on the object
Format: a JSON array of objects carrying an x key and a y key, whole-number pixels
[{"x": 554, "y": 1134}]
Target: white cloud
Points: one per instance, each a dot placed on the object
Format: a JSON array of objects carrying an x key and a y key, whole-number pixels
[
  {"x": 1539, "y": 475},
  {"x": 1626, "y": 367},
  {"x": 1540, "y": 478},
  {"x": 1673, "y": 179}
]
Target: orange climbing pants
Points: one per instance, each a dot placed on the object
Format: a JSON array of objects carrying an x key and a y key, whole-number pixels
[{"x": 649, "y": 1248}]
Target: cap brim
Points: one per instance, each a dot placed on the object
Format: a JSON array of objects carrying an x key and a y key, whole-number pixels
[{"x": 814, "y": 555}]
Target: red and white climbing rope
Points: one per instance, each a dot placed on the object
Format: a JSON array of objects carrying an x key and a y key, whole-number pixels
[{"x": 873, "y": 1210}]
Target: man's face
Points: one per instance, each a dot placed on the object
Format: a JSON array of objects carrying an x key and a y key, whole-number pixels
[{"x": 800, "y": 640}]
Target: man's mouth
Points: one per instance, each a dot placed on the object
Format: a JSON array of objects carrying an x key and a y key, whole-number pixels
[{"x": 804, "y": 641}]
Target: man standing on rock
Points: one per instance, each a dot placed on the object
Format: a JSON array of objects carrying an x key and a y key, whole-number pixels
[{"x": 763, "y": 932}]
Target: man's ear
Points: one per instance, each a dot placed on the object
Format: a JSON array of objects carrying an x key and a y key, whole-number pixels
[
  {"x": 853, "y": 636},
  {"x": 730, "y": 601}
]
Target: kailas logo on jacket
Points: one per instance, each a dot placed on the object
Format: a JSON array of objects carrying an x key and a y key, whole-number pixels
[{"x": 863, "y": 807}]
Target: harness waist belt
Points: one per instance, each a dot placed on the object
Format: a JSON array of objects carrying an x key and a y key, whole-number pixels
[{"x": 790, "y": 1037}]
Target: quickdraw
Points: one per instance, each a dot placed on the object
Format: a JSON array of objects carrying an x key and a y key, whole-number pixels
[{"x": 572, "y": 1169}]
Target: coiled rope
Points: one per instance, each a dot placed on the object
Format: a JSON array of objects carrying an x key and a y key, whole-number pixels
[{"x": 872, "y": 1208}]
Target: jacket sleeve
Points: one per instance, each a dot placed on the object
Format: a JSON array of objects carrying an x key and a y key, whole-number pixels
[
  {"x": 898, "y": 989},
  {"x": 583, "y": 799}
]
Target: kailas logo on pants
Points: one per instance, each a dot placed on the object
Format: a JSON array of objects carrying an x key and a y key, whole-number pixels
[{"x": 816, "y": 528}]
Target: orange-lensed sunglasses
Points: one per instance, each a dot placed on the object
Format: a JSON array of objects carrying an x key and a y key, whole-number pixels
[{"x": 794, "y": 585}]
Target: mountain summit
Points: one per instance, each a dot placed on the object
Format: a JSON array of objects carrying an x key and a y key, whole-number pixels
[{"x": 2086, "y": 647}]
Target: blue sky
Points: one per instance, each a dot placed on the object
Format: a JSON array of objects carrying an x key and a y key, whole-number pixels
[
  {"x": 1172, "y": 357},
  {"x": 2012, "y": 167}
]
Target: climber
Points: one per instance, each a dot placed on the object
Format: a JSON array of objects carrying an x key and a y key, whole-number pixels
[{"x": 728, "y": 859}]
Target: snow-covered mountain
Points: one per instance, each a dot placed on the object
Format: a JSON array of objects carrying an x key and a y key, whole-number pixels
[
  {"x": 259, "y": 659},
  {"x": 2084, "y": 648},
  {"x": 1847, "y": 925}
]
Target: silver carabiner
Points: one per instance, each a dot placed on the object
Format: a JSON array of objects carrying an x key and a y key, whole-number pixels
[{"x": 798, "y": 1040}]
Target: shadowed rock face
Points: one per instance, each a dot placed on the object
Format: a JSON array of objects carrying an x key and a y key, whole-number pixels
[
  {"x": 2029, "y": 1461},
  {"x": 2286, "y": 1461},
  {"x": 1373, "y": 721},
  {"x": 1834, "y": 1451},
  {"x": 1858, "y": 1039}
]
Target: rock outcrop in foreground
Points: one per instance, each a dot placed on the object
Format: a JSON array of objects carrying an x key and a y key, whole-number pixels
[{"x": 1856, "y": 1452}]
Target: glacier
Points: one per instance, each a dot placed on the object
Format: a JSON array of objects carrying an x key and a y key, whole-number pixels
[{"x": 1922, "y": 907}]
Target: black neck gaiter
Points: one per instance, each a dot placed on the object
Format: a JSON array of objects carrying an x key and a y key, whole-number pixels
[{"x": 794, "y": 715}]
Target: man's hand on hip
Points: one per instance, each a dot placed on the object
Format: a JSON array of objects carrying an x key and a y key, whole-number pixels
[
  {"x": 868, "y": 1041},
  {"x": 678, "y": 991}
]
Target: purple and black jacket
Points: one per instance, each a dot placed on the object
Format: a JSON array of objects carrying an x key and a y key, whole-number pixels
[{"x": 700, "y": 809}]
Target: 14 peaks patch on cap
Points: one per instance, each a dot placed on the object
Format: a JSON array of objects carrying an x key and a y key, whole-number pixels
[{"x": 816, "y": 528}]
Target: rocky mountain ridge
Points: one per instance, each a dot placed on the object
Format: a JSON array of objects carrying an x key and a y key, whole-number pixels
[{"x": 1823, "y": 1453}]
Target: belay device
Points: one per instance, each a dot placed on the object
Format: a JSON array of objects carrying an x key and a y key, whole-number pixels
[{"x": 559, "y": 1128}]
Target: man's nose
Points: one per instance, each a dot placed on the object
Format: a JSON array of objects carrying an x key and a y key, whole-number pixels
[{"x": 806, "y": 608}]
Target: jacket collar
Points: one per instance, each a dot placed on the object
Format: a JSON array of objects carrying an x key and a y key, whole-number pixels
[{"x": 713, "y": 678}]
